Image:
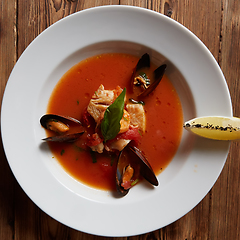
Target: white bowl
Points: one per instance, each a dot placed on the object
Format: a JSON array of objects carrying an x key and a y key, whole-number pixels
[{"x": 197, "y": 79}]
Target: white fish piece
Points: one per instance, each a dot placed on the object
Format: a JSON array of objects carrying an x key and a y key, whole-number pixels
[
  {"x": 125, "y": 122},
  {"x": 100, "y": 101},
  {"x": 137, "y": 116},
  {"x": 98, "y": 148},
  {"x": 118, "y": 145}
]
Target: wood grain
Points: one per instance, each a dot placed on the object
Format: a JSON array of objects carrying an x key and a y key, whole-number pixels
[
  {"x": 217, "y": 24},
  {"x": 8, "y": 58},
  {"x": 228, "y": 185}
]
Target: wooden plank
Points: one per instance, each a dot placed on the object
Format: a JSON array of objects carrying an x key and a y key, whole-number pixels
[
  {"x": 8, "y": 39},
  {"x": 138, "y": 3},
  {"x": 226, "y": 209}
]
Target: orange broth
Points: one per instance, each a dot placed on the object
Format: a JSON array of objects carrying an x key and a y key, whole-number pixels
[{"x": 71, "y": 96}]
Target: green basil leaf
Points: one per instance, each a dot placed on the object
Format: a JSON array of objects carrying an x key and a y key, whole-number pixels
[
  {"x": 110, "y": 125},
  {"x": 93, "y": 155}
]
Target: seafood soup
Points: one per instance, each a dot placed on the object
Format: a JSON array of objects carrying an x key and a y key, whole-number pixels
[{"x": 152, "y": 123}]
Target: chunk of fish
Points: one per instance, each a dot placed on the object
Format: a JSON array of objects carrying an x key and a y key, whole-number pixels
[
  {"x": 134, "y": 116},
  {"x": 117, "y": 145},
  {"x": 137, "y": 116},
  {"x": 100, "y": 101},
  {"x": 98, "y": 148},
  {"x": 125, "y": 122}
]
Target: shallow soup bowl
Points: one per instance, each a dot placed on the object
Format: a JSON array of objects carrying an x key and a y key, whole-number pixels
[{"x": 194, "y": 74}]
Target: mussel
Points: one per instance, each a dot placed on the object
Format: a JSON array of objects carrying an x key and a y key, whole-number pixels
[
  {"x": 131, "y": 166},
  {"x": 64, "y": 138},
  {"x": 60, "y": 125},
  {"x": 143, "y": 80}
]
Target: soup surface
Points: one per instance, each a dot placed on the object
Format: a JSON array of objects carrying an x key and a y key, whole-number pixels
[{"x": 71, "y": 97}]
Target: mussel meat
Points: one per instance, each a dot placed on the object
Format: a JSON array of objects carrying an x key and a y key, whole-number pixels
[
  {"x": 60, "y": 125},
  {"x": 45, "y": 119},
  {"x": 131, "y": 166},
  {"x": 144, "y": 81}
]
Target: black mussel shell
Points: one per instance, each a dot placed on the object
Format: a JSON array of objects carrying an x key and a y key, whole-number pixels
[
  {"x": 65, "y": 119},
  {"x": 64, "y": 138},
  {"x": 143, "y": 63},
  {"x": 158, "y": 74},
  {"x": 119, "y": 171},
  {"x": 145, "y": 169}
]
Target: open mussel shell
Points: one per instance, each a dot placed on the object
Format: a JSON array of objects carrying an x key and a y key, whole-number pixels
[
  {"x": 64, "y": 138},
  {"x": 146, "y": 170},
  {"x": 149, "y": 84},
  {"x": 119, "y": 172},
  {"x": 158, "y": 74},
  {"x": 65, "y": 119}
]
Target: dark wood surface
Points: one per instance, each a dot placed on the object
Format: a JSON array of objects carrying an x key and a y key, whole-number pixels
[{"x": 217, "y": 24}]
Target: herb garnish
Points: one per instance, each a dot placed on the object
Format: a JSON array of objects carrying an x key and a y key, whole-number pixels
[
  {"x": 62, "y": 152},
  {"x": 112, "y": 159},
  {"x": 78, "y": 148},
  {"x": 145, "y": 77},
  {"x": 93, "y": 155},
  {"x": 139, "y": 132},
  {"x": 110, "y": 125},
  {"x": 134, "y": 182}
]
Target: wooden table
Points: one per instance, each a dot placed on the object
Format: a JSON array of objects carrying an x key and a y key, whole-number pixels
[{"x": 217, "y": 24}]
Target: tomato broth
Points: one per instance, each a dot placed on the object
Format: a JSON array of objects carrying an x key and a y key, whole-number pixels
[{"x": 71, "y": 97}]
